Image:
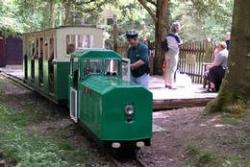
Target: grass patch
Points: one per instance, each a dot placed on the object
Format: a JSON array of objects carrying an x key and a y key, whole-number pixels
[
  {"x": 235, "y": 118},
  {"x": 200, "y": 157},
  {"x": 231, "y": 119},
  {"x": 28, "y": 150},
  {"x": 241, "y": 141},
  {"x": 19, "y": 118}
]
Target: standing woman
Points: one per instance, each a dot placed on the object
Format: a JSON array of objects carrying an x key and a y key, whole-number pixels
[{"x": 172, "y": 55}]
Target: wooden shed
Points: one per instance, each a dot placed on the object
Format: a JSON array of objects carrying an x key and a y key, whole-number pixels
[
  {"x": 2, "y": 51},
  {"x": 10, "y": 51}
]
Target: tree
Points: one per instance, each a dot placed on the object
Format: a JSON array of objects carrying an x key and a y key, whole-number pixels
[
  {"x": 74, "y": 9},
  {"x": 8, "y": 23},
  {"x": 52, "y": 4},
  {"x": 215, "y": 16},
  {"x": 157, "y": 9},
  {"x": 235, "y": 93},
  {"x": 208, "y": 19}
]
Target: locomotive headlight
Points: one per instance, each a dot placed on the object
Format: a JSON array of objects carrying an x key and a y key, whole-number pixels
[
  {"x": 129, "y": 110},
  {"x": 129, "y": 113}
]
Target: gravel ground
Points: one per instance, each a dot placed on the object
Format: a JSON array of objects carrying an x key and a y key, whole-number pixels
[{"x": 191, "y": 126}]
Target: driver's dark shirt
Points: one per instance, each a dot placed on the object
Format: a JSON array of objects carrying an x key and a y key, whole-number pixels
[{"x": 139, "y": 52}]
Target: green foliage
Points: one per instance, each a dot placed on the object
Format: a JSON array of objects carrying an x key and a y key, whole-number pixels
[
  {"x": 35, "y": 15},
  {"x": 231, "y": 119},
  {"x": 204, "y": 158},
  {"x": 27, "y": 149},
  {"x": 131, "y": 16},
  {"x": 201, "y": 157},
  {"x": 201, "y": 19},
  {"x": 241, "y": 140},
  {"x": 227, "y": 104},
  {"x": 8, "y": 23}
]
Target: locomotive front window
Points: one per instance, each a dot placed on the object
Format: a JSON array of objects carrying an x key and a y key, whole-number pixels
[
  {"x": 92, "y": 66},
  {"x": 111, "y": 67}
]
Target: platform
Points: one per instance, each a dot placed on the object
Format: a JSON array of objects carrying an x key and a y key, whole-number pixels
[
  {"x": 15, "y": 70},
  {"x": 186, "y": 94}
]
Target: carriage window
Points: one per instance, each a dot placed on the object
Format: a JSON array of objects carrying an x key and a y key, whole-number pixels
[
  {"x": 33, "y": 50},
  {"x": 50, "y": 65},
  {"x": 51, "y": 49},
  {"x": 111, "y": 67},
  {"x": 41, "y": 47},
  {"x": 36, "y": 50},
  {"x": 46, "y": 49},
  {"x": 92, "y": 66},
  {"x": 78, "y": 42}
]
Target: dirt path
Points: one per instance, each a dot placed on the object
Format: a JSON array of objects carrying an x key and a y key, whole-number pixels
[{"x": 192, "y": 138}]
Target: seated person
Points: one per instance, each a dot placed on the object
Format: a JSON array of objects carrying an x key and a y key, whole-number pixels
[
  {"x": 208, "y": 65},
  {"x": 216, "y": 70},
  {"x": 70, "y": 48}
]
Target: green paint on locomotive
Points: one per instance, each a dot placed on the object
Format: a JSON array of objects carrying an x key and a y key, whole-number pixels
[
  {"x": 102, "y": 108},
  {"x": 102, "y": 101}
]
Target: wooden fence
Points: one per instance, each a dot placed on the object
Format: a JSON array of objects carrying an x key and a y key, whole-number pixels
[{"x": 193, "y": 56}]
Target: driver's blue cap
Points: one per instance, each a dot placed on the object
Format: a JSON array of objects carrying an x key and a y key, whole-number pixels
[{"x": 131, "y": 34}]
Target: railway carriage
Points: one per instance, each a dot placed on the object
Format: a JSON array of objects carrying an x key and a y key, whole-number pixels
[{"x": 47, "y": 57}]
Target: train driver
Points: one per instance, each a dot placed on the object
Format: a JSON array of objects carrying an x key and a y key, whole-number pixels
[{"x": 138, "y": 55}]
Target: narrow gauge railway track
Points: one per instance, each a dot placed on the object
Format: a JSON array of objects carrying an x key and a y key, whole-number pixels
[
  {"x": 22, "y": 83},
  {"x": 139, "y": 163},
  {"x": 135, "y": 162},
  {"x": 17, "y": 80}
]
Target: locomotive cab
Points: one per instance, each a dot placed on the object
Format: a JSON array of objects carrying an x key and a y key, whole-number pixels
[{"x": 102, "y": 98}]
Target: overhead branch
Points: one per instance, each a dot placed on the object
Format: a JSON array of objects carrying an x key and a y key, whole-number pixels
[
  {"x": 77, "y": 2},
  {"x": 97, "y": 5},
  {"x": 150, "y": 11},
  {"x": 84, "y": 2},
  {"x": 152, "y": 2}
]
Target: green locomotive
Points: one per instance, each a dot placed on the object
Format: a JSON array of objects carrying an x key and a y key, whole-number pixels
[
  {"x": 95, "y": 85},
  {"x": 117, "y": 111}
]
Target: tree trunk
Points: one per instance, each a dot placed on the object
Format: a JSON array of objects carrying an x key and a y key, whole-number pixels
[
  {"x": 115, "y": 35},
  {"x": 52, "y": 13},
  {"x": 160, "y": 32},
  {"x": 235, "y": 93},
  {"x": 68, "y": 17},
  {"x": 161, "y": 21}
]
